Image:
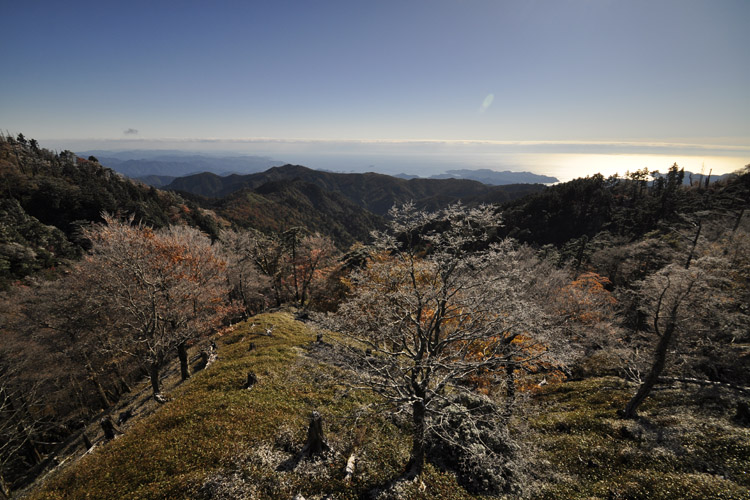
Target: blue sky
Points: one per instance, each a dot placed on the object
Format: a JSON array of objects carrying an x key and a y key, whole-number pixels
[{"x": 328, "y": 77}]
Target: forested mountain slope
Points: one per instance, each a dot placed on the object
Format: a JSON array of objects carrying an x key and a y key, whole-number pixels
[
  {"x": 622, "y": 206},
  {"x": 278, "y": 206},
  {"x": 47, "y": 196},
  {"x": 374, "y": 192}
]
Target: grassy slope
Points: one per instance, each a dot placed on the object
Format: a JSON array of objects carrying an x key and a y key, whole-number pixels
[{"x": 216, "y": 435}]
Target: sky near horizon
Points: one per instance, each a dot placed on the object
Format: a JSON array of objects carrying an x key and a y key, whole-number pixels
[{"x": 505, "y": 81}]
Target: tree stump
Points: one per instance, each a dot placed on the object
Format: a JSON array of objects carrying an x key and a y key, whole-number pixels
[
  {"x": 208, "y": 356},
  {"x": 251, "y": 380},
  {"x": 108, "y": 427},
  {"x": 204, "y": 360},
  {"x": 316, "y": 443}
]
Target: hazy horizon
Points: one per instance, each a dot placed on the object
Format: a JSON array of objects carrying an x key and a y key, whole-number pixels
[{"x": 565, "y": 161}]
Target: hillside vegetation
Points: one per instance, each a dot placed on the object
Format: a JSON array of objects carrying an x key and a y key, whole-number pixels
[
  {"x": 281, "y": 205},
  {"x": 216, "y": 440},
  {"x": 47, "y": 196}
]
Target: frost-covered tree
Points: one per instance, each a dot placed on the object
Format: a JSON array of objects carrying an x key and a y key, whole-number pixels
[
  {"x": 20, "y": 425},
  {"x": 290, "y": 267},
  {"x": 435, "y": 307},
  {"x": 249, "y": 284},
  {"x": 693, "y": 313},
  {"x": 162, "y": 288}
]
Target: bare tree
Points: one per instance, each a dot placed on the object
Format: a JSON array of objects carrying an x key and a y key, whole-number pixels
[
  {"x": 666, "y": 295},
  {"x": 195, "y": 287},
  {"x": 161, "y": 288},
  {"x": 249, "y": 285},
  {"x": 21, "y": 424},
  {"x": 687, "y": 308},
  {"x": 267, "y": 252},
  {"x": 309, "y": 262},
  {"x": 291, "y": 266},
  {"x": 435, "y": 307}
]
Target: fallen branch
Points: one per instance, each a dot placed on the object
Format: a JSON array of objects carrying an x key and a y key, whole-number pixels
[
  {"x": 709, "y": 383},
  {"x": 351, "y": 464}
]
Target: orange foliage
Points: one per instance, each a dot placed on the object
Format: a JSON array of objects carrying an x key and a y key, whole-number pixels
[
  {"x": 586, "y": 299},
  {"x": 525, "y": 352}
]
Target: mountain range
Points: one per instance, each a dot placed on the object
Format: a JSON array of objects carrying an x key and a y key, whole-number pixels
[
  {"x": 376, "y": 193},
  {"x": 495, "y": 178},
  {"x": 159, "y": 168}
]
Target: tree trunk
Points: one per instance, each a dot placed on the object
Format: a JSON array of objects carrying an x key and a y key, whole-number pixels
[
  {"x": 416, "y": 460},
  {"x": 108, "y": 427},
  {"x": 97, "y": 385},
  {"x": 78, "y": 391},
  {"x": 510, "y": 389},
  {"x": 252, "y": 379},
  {"x": 184, "y": 365},
  {"x": 695, "y": 243},
  {"x": 660, "y": 357},
  {"x": 154, "y": 376},
  {"x": 742, "y": 416},
  {"x": 123, "y": 383},
  {"x": 278, "y": 291},
  {"x": 86, "y": 441},
  {"x": 102, "y": 393}
]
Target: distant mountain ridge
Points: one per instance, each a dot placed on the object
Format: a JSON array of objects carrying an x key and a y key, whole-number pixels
[
  {"x": 495, "y": 178},
  {"x": 150, "y": 166},
  {"x": 374, "y": 192},
  {"x": 156, "y": 181}
]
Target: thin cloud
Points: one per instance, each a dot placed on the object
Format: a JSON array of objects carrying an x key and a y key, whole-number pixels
[{"x": 486, "y": 103}]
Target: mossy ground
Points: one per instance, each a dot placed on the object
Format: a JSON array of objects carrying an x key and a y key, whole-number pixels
[
  {"x": 216, "y": 439},
  {"x": 683, "y": 446}
]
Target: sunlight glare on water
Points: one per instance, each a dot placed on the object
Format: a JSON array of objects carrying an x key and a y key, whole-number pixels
[{"x": 570, "y": 166}]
